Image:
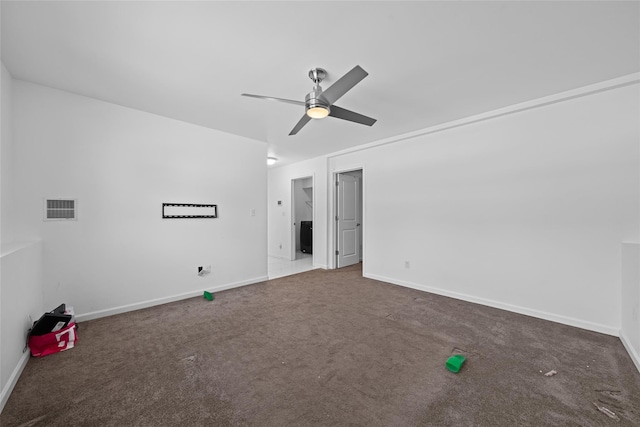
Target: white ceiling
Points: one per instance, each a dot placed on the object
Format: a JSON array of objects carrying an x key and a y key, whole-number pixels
[{"x": 428, "y": 62}]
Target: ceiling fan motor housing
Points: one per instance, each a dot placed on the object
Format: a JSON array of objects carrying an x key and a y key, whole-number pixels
[{"x": 316, "y": 103}]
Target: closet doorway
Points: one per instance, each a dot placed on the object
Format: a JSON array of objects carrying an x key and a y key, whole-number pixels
[{"x": 302, "y": 195}]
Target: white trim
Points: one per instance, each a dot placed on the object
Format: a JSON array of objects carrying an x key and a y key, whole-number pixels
[
  {"x": 158, "y": 301},
  {"x": 635, "y": 357},
  {"x": 606, "y": 85},
  {"x": 596, "y": 327},
  {"x": 13, "y": 379},
  {"x": 314, "y": 202}
]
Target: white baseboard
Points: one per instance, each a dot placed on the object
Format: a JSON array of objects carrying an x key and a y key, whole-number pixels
[
  {"x": 158, "y": 301},
  {"x": 596, "y": 327},
  {"x": 632, "y": 351},
  {"x": 13, "y": 379}
]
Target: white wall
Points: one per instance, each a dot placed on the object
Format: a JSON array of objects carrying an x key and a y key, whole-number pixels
[
  {"x": 21, "y": 285},
  {"x": 524, "y": 211},
  {"x": 21, "y": 289},
  {"x": 121, "y": 165},
  {"x": 279, "y": 182},
  {"x": 630, "y": 316},
  {"x": 4, "y": 138},
  {"x": 6, "y": 232}
]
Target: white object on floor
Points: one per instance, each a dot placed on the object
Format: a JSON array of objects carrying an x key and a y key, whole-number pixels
[{"x": 278, "y": 267}]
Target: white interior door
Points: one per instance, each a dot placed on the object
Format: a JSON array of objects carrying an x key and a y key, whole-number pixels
[{"x": 348, "y": 221}]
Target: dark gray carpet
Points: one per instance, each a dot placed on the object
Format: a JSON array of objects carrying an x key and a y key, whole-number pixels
[{"x": 327, "y": 348}]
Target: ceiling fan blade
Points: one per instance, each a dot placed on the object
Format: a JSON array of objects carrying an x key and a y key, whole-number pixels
[
  {"x": 344, "y": 84},
  {"x": 344, "y": 114},
  {"x": 303, "y": 121},
  {"x": 271, "y": 98}
]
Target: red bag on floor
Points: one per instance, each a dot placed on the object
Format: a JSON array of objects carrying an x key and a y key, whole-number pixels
[{"x": 53, "y": 342}]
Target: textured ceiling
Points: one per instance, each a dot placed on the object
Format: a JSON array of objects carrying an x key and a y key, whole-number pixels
[{"x": 428, "y": 62}]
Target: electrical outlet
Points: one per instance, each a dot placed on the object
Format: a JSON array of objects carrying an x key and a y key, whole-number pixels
[
  {"x": 407, "y": 264},
  {"x": 280, "y": 245},
  {"x": 252, "y": 212}
]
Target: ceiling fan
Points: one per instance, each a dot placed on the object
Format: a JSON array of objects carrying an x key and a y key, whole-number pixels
[{"x": 320, "y": 104}]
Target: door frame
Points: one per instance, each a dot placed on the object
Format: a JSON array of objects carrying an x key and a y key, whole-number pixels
[
  {"x": 293, "y": 220},
  {"x": 332, "y": 229}
]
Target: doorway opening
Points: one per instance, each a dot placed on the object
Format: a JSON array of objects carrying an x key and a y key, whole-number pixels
[
  {"x": 349, "y": 213},
  {"x": 302, "y": 218}
]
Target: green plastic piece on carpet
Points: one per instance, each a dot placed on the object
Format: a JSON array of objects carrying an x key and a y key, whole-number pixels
[
  {"x": 208, "y": 295},
  {"x": 454, "y": 363}
]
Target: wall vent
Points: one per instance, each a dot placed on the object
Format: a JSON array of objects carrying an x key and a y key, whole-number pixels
[{"x": 60, "y": 209}]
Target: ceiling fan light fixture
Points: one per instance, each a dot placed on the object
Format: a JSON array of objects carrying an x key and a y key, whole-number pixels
[
  {"x": 316, "y": 106},
  {"x": 318, "y": 112},
  {"x": 271, "y": 161}
]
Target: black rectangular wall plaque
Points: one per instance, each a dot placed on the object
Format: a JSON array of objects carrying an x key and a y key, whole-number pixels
[{"x": 189, "y": 210}]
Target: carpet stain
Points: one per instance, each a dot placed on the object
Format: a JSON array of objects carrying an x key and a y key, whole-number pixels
[{"x": 610, "y": 403}]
